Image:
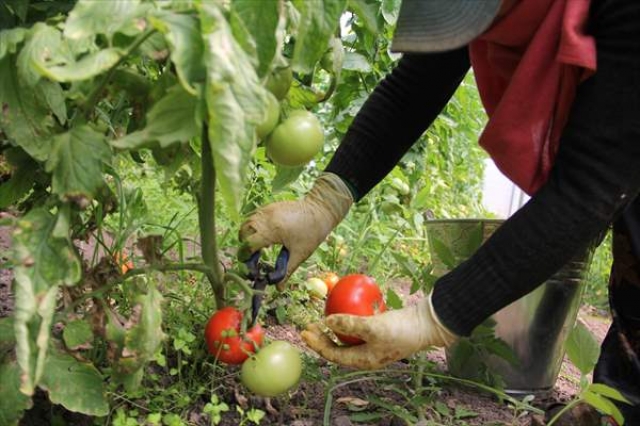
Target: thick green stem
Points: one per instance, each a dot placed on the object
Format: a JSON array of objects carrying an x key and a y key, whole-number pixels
[{"x": 206, "y": 216}]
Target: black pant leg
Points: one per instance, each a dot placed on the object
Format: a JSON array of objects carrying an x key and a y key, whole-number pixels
[{"x": 619, "y": 363}]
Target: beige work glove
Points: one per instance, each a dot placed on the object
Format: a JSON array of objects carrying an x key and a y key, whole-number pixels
[
  {"x": 389, "y": 337},
  {"x": 300, "y": 226}
]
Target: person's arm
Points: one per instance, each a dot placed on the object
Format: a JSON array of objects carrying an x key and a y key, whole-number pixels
[
  {"x": 595, "y": 175},
  {"x": 394, "y": 116}
]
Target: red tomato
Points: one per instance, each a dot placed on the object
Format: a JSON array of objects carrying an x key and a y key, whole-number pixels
[
  {"x": 223, "y": 336},
  {"x": 330, "y": 279},
  {"x": 355, "y": 294}
]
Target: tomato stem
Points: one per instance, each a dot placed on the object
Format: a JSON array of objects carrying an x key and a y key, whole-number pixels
[{"x": 206, "y": 216}]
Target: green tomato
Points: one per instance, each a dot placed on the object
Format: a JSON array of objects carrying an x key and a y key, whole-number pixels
[
  {"x": 316, "y": 287},
  {"x": 400, "y": 186},
  {"x": 296, "y": 140},
  {"x": 275, "y": 369},
  {"x": 271, "y": 120},
  {"x": 279, "y": 82}
]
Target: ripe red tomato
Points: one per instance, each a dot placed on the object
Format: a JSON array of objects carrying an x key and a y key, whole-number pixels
[
  {"x": 330, "y": 279},
  {"x": 224, "y": 340},
  {"x": 355, "y": 294}
]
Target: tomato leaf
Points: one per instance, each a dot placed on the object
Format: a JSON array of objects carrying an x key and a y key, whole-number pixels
[
  {"x": 608, "y": 392},
  {"x": 77, "y": 334},
  {"x": 390, "y": 10},
  {"x": 44, "y": 262},
  {"x": 173, "y": 119},
  {"x": 53, "y": 96},
  {"x": 16, "y": 187},
  {"x": 368, "y": 12},
  {"x": 43, "y": 42},
  {"x": 89, "y": 18},
  {"x": 87, "y": 67},
  {"x": 142, "y": 338},
  {"x": 88, "y": 393},
  {"x": 12, "y": 401},
  {"x": 582, "y": 348},
  {"x": 182, "y": 33},
  {"x": 603, "y": 404},
  {"x": 10, "y": 39},
  {"x": 23, "y": 119},
  {"x": 318, "y": 22},
  {"x": 356, "y": 62},
  {"x": 284, "y": 176},
  {"x": 261, "y": 21},
  {"x": 393, "y": 300},
  {"x": 236, "y": 104},
  {"x": 76, "y": 162}
]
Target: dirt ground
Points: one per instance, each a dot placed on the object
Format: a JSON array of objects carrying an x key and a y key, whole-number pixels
[{"x": 307, "y": 404}]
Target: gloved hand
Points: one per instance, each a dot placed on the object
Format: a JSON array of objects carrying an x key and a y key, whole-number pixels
[
  {"x": 302, "y": 225},
  {"x": 390, "y": 336}
]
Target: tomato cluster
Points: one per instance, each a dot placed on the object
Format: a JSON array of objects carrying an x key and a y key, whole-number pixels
[{"x": 267, "y": 371}]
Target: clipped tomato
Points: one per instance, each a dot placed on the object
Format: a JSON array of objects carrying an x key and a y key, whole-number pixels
[
  {"x": 224, "y": 340},
  {"x": 316, "y": 287},
  {"x": 271, "y": 120},
  {"x": 123, "y": 262},
  {"x": 330, "y": 279},
  {"x": 296, "y": 140},
  {"x": 355, "y": 294},
  {"x": 279, "y": 81},
  {"x": 275, "y": 369}
]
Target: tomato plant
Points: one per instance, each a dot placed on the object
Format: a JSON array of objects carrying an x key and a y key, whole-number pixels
[
  {"x": 355, "y": 294},
  {"x": 224, "y": 340},
  {"x": 275, "y": 369},
  {"x": 296, "y": 140}
]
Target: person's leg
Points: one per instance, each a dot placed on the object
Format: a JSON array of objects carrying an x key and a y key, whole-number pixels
[{"x": 619, "y": 363}]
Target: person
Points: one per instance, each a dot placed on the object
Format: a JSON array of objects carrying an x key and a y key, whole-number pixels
[{"x": 560, "y": 81}]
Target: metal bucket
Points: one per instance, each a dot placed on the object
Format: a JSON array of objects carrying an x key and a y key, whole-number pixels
[{"x": 521, "y": 347}]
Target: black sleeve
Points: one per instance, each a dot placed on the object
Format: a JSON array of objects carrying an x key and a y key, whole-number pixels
[
  {"x": 394, "y": 116},
  {"x": 596, "y": 174}
]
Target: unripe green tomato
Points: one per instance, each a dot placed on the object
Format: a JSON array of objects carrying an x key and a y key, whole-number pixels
[
  {"x": 279, "y": 82},
  {"x": 317, "y": 287},
  {"x": 296, "y": 140},
  {"x": 400, "y": 186},
  {"x": 275, "y": 369},
  {"x": 271, "y": 120}
]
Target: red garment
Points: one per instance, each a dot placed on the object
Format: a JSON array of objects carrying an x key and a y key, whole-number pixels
[{"x": 527, "y": 67}]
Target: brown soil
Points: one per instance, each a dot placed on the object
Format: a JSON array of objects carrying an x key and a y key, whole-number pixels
[{"x": 306, "y": 405}]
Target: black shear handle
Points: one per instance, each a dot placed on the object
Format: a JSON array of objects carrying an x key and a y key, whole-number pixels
[{"x": 261, "y": 281}]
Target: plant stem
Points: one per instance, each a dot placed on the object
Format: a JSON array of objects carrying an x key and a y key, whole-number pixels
[
  {"x": 206, "y": 218},
  {"x": 92, "y": 99}
]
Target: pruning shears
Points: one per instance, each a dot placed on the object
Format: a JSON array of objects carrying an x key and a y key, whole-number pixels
[{"x": 263, "y": 274}]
